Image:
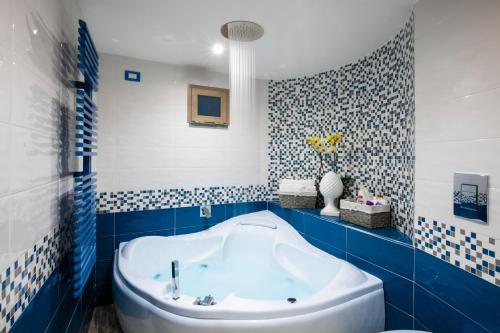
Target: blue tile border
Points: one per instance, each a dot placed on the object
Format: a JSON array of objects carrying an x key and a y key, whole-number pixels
[
  {"x": 459, "y": 289},
  {"x": 389, "y": 255},
  {"x": 389, "y": 234},
  {"x": 398, "y": 291},
  {"x": 440, "y": 317},
  {"x": 395, "y": 319}
]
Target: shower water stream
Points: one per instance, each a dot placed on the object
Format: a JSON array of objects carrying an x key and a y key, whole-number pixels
[{"x": 241, "y": 35}]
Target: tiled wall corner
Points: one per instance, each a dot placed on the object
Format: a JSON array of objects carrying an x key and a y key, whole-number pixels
[{"x": 371, "y": 102}]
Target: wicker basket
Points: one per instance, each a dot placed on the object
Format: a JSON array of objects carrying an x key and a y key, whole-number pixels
[
  {"x": 297, "y": 201},
  {"x": 365, "y": 216}
]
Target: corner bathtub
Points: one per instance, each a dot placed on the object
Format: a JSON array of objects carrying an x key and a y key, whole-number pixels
[{"x": 252, "y": 264}]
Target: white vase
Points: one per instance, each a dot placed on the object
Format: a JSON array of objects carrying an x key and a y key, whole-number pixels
[{"x": 331, "y": 188}]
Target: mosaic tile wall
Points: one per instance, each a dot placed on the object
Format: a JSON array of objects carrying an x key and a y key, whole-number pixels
[
  {"x": 25, "y": 276},
  {"x": 473, "y": 252},
  {"x": 371, "y": 102},
  {"x": 126, "y": 201}
]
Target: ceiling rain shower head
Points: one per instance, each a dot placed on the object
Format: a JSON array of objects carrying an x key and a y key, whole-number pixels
[{"x": 242, "y": 31}]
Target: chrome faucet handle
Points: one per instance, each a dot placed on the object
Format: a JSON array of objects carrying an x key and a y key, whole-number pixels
[
  {"x": 175, "y": 280},
  {"x": 206, "y": 212}
]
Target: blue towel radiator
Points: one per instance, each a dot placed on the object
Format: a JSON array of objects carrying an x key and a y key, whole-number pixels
[{"x": 84, "y": 215}]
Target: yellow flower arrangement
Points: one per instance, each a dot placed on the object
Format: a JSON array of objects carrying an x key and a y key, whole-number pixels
[{"x": 326, "y": 145}]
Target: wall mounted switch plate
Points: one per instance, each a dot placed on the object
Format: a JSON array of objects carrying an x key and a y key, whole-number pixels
[{"x": 470, "y": 196}]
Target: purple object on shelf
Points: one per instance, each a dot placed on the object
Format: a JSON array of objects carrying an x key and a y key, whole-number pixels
[{"x": 369, "y": 203}]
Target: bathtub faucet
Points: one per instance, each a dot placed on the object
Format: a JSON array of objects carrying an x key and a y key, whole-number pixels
[
  {"x": 175, "y": 280},
  {"x": 206, "y": 212}
]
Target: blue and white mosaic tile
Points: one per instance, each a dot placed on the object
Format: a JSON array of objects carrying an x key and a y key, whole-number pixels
[
  {"x": 371, "y": 102},
  {"x": 477, "y": 254},
  {"x": 21, "y": 281},
  {"x": 126, "y": 201}
]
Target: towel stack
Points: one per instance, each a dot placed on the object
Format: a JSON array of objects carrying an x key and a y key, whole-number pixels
[{"x": 302, "y": 187}]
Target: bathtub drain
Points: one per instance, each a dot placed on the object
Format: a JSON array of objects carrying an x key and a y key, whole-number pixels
[{"x": 291, "y": 300}]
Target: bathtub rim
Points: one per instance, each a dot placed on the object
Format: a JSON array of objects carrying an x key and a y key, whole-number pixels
[
  {"x": 145, "y": 314},
  {"x": 257, "y": 309}
]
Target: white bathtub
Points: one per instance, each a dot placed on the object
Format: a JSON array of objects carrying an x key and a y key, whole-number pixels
[{"x": 251, "y": 264}]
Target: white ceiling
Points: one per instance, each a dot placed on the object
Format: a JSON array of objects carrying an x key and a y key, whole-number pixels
[{"x": 301, "y": 36}]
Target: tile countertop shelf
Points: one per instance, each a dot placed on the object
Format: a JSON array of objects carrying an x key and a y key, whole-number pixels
[{"x": 388, "y": 233}]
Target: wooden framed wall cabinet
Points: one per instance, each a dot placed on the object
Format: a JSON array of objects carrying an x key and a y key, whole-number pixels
[{"x": 208, "y": 106}]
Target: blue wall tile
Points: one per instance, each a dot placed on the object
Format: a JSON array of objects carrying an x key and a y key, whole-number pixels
[
  {"x": 418, "y": 326},
  {"x": 392, "y": 256},
  {"x": 396, "y": 319},
  {"x": 105, "y": 224},
  {"x": 326, "y": 247},
  {"x": 327, "y": 232},
  {"x": 104, "y": 271},
  {"x": 476, "y": 298},
  {"x": 439, "y": 317},
  {"x": 105, "y": 247},
  {"x": 76, "y": 320},
  {"x": 190, "y": 230},
  {"x": 284, "y": 213},
  {"x": 241, "y": 208},
  {"x": 104, "y": 295},
  {"x": 128, "y": 237},
  {"x": 398, "y": 290},
  {"x": 146, "y": 220},
  {"x": 164, "y": 233},
  {"x": 64, "y": 313},
  {"x": 297, "y": 220}
]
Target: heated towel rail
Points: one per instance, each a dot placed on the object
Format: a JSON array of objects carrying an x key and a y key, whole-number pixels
[{"x": 84, "y": 216}]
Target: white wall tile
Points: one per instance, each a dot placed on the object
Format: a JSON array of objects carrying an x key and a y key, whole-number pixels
[
  {"x": 35, "y": 99},
  {"x": 464, "y": 118},
  {"x": 153, "y": 134},
  {"x": 34, "y": 159},
  {"x": 5, "y": 137},
  {"x": 456, "y": 48},
  {"x": 143, "y": 179},
  {"x": 5, "y": 83},
  {"x": 5, "y": 233},
  {"x": 106, "y": 180},
  {"x": 33, "y": 214},
  {"x": 146, "y": 140},
  {"x": 136, "y": 157},
  {"x": 439, "y": 160}
]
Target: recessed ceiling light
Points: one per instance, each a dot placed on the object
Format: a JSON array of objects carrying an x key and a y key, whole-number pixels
[
  {"x": 218, "y": 49},
  {"x": 116, "y": 40},
  {"x": 35, "y": 31}
]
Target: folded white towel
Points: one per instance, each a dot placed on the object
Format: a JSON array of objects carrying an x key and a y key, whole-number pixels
[{"x": 297, "y": 187}]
